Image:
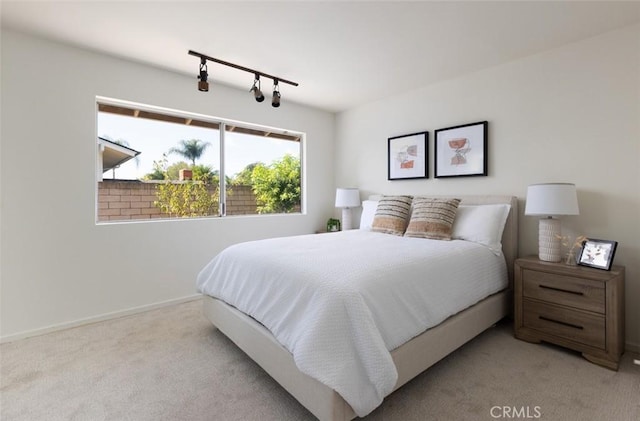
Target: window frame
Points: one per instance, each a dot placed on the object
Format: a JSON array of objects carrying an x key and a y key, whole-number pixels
[{"x": 168, "y": 115}]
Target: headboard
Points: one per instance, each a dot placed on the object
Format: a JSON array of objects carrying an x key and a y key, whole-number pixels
[{"x": 510, "y": 233}]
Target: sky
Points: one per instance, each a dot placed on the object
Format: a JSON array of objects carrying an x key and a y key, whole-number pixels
[{"x": 153, "y": 138}]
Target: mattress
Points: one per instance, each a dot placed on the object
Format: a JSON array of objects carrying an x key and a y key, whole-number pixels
[{"x": 340, "y": 302}]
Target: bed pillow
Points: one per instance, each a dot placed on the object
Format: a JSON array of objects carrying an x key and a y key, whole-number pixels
[
  {"x": 481, "y": 224},
  {"x": 368, "y": 213},
  {"x": 392, "y": 215},
  {"x": 432, "y": 218}
]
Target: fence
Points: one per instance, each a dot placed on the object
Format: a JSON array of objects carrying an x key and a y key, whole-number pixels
[{"x": 124, "y": 200}]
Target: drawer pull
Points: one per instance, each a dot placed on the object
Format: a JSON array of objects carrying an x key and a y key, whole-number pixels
[
  {"x": 561, "y": 290},
  {"x": 560, "y": 323}
]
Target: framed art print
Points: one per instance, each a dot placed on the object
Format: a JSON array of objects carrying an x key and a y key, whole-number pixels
[
  {"x": 407, "y": 156},
  {"x": 461, "y": 150},
  {"x": 597, "y": 253}
]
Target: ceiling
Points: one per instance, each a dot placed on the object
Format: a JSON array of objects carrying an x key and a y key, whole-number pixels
[{"x": 343, "y": 54}]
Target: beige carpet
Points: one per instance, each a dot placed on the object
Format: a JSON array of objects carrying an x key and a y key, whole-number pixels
[{"x": 170, "y": 364}]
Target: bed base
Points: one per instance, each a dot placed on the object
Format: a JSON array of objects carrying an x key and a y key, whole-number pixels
[{"x": 410, "y": 359}]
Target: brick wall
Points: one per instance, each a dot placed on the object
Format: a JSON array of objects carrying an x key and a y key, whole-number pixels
[
  {"x": 241, "y": 201},
  {"x": 124, "y": 200}
]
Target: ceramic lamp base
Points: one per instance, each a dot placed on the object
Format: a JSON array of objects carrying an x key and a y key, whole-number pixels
[
  {"x": 347, "y": 224},
  {"x": 549, "y": 240}
]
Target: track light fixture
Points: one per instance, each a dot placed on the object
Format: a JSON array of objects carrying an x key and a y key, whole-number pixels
[
  {"x": 203, "y": 85},
  {"x": 275, "y": 100},
  {"x": 257, "y": 93}
]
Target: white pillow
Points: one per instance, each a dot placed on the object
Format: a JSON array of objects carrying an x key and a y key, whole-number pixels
[
  {"x": 368, "y": 212},
  {"x": 481, "y": 224}
]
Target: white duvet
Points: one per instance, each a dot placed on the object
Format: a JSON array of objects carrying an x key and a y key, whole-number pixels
[{"x": 340, "y": 302}]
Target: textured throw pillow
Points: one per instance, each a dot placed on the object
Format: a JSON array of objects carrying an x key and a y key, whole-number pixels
[
  {"x": 392, "y": 215},
  {"x": 432, "y": 218}
]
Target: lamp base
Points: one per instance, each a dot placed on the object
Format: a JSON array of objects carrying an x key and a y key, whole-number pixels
[
  {"x": 548, "y": 240},
  {"x": 346, "y": 219}
]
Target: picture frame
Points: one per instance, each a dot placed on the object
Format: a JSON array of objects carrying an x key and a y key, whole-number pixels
[
  {"x": 461, "y": 151},
  {"x": 597, "y": 253},
  {"x": 407, "y": 156}
]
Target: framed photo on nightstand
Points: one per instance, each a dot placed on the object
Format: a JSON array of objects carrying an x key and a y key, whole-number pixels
[{"x": 597, "y": 253}]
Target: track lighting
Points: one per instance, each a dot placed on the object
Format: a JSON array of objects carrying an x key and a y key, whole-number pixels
[
  {"x": 256, "y": 89},
  {"x": 203, "y": 85},
  {"x": 275, "y": 100}
]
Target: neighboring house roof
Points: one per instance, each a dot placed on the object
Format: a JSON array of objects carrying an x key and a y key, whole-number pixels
[{"x": 114, "y": 154}]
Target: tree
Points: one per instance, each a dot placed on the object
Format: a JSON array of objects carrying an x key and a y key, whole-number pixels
[
  {"x": 173, "y": 170},
  {"x": 187, "y": 198},
  {"x": 277, "y": 186},
  {"x": 161, "y": 171},
  {"x": 206, "y": 174},
  {"x": 243, "y": 178},
  {"x": 191, "y": 149},
  {"x": 156, "y": 174}
]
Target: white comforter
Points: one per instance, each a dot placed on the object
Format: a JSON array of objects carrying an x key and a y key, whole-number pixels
[{"x": 340, "y": 302}]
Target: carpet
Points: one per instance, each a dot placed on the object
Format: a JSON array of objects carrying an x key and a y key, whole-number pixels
[{"x": 171, "y": 364}]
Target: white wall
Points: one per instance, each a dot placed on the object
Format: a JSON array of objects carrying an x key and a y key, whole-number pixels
[
  {"x": 569, "y": 115},
  {"x": 57, "y": 266}
]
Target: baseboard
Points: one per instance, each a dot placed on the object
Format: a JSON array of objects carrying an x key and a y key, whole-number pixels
[
  {"x": 98, "y": 318},
  {"x": 632, "y": 347}
]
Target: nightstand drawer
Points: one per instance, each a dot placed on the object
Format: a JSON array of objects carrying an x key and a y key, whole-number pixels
[
  {"x": 564, "y": 290},
  {"x": 588, "y": 329}
]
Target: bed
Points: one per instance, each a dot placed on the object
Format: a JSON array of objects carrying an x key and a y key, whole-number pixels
[{"x": 407, "y": 355}]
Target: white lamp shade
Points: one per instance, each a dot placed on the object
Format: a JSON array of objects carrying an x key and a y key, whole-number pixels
[
  {"x": 552, "y": 199},
  {"x": 347, "y": 198}
]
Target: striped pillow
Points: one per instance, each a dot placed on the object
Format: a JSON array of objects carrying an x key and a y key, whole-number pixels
[
  {"x": 432, "y": 218},
  {"x": 392, "y": 215}
]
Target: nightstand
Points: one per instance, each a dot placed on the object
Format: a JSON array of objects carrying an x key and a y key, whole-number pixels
[{"x": 573, "y": 306}]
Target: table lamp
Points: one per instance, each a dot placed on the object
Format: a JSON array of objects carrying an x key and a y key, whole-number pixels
[
  {"x": 347, "y": 199},
  {"x": 549, "y": 200}
]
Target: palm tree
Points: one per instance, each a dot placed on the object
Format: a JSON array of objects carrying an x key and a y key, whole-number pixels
[{"x": 191, "y": 149}]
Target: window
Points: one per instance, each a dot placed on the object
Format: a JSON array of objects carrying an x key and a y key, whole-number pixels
[
  {"x": 159, "y": 164},
  {"x": 265, "y": 173}
]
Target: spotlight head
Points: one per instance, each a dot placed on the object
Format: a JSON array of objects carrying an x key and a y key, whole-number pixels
[
  {"x": 203, "y": 85},
  {"x": 257, "y": 93},
  {"x": 275, "y": 100}
]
